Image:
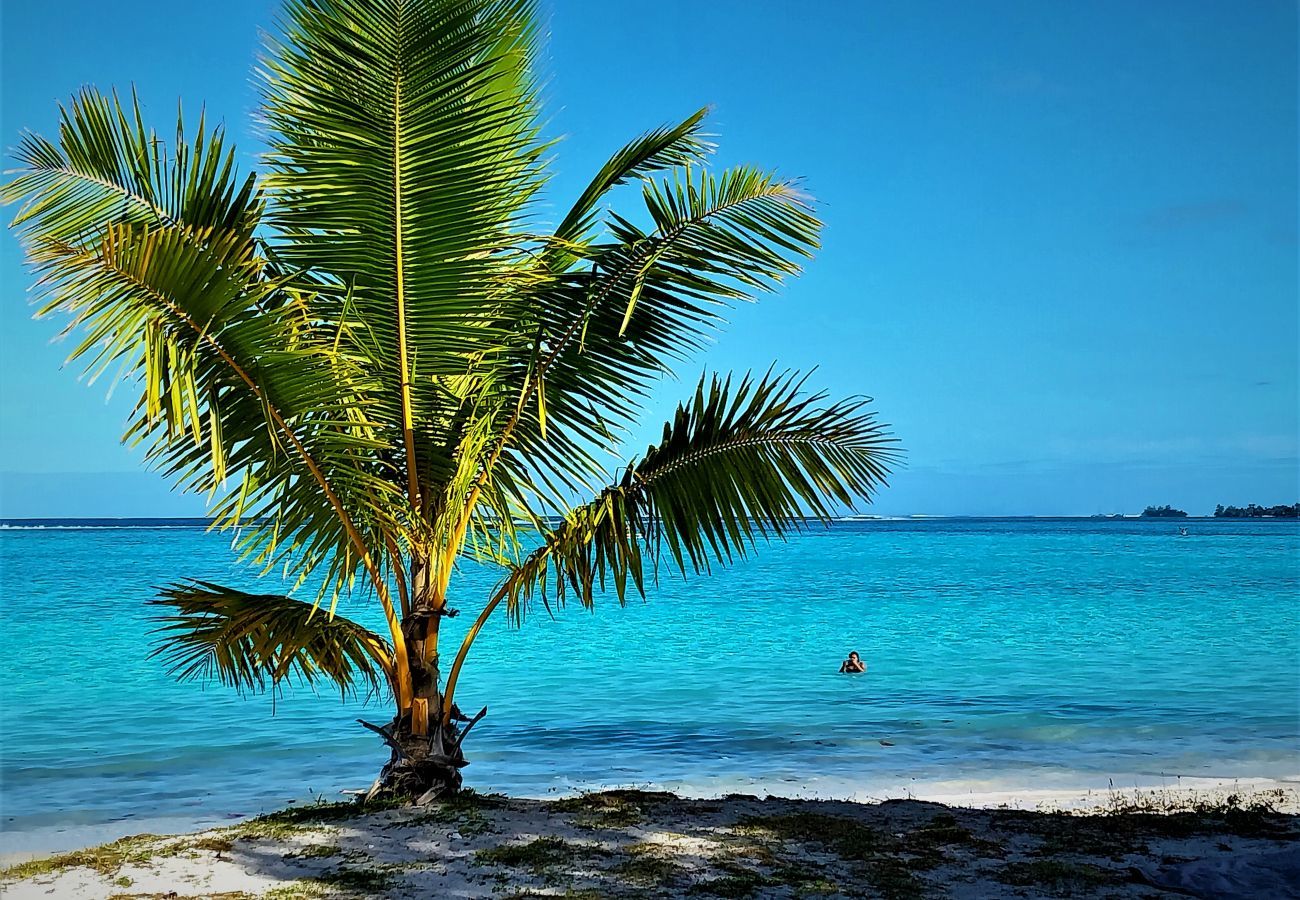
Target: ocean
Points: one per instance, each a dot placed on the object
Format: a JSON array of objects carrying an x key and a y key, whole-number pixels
[{"x": 1023, "y": 653}]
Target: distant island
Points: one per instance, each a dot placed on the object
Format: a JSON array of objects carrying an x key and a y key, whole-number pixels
[
  {"x": 1163, "y": 512},
  {"x": 1257, "y": 512}
]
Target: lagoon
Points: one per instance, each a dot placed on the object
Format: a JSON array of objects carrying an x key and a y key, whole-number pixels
[{"x": 1003, "y": 654}]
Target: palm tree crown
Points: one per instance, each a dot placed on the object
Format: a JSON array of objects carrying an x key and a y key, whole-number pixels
[{"x": 376, "y": 360}]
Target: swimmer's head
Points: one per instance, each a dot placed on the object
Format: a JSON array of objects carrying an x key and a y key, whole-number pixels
[{"x": 853, "y": 655}]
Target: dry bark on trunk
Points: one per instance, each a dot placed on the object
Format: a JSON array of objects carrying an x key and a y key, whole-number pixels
[
  {"x": 426, "y": 757},
  {"x": 421, "y": 768}
]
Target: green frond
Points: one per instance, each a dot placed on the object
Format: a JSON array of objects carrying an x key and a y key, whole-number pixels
[
  {"x": 169, "y": 294},
  {"x": 741, "y": 463},
  {"x": 108, "y": 168},
  {"x": 257, "y": 641},
  {"x": 403, "y": 155},
  {"x": 596, "y": 341},
  {"x": 663, "y": 148}
]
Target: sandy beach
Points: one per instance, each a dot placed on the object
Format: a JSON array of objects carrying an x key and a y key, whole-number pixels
[{"x": 1228, "y": 840}]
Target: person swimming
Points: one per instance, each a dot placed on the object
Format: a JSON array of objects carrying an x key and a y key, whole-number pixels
[{"x": 853, "y": 665}]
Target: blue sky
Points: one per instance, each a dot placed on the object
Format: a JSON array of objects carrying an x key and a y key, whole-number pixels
[{"x": 1060, "y": 247}]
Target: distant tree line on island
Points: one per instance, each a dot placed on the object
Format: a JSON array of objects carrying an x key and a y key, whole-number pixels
[
  {"x": 1227, "y": 512},
  {"x": 1163, "y": 512},
  {"x": 1256, "y": 512}
]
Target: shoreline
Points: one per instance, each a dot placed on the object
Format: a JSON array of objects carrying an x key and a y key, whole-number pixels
[
  {"x": 1067, "y": 794},
  {"x": 646, "y": 843}
]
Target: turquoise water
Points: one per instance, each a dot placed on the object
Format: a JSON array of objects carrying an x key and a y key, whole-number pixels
[{"x": 1021, "y": 652}]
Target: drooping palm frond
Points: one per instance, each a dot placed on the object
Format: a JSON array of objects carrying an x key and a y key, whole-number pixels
[
  {"x": 257, "y": 641},
  {"x": 740, "y": 463},
  {"x": 167, "y": 288}
]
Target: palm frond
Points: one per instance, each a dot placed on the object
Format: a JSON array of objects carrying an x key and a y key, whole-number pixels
[
  {"x": 108, "y": 167},
  {"x": 169, "y": 293},
  {"x": 741, "y": 463},
  {"x": 663, "y": 148},
  {"x": 257, "y": 641},
  {"x": 403, "y": 152},
  {"x": 597, "y": 340}
]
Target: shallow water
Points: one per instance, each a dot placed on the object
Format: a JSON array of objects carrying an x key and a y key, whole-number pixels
[{"x": 1032, "y": 653}]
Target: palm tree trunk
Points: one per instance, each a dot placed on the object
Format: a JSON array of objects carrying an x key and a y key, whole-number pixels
[{"x": 426, "y": 758}]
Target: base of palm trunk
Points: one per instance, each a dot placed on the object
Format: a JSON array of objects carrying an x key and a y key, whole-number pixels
[{"x": 422, "y": 768}]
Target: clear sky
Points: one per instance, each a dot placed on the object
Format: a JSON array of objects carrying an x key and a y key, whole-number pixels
[{"x": 1060, "y": 247}]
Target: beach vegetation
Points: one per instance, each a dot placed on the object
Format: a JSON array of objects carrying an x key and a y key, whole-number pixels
[
  {"x": 538, "y": 855},
  {"x": 315, "y": 851},
  {"x": 216, "y": 845},
  {"x": 296, "y": 890},
  {"x": 888, "y": 862},
  {"x": 734, "y": 880},
  {"x": 467, "y": 821},
  {"x": 106, "y": 859},
  {"x": 895, "y": 877},
  {"x": 363, "y": 880},
  {"x": 648, "y": 865},
  {"x": 805, "y": 879},
  {"x": 944, "y": 831},
  {"x": 378, "y": 363},
  {"x": 848, "y": 838},
  {"x": 1059, "y": 875},
  {"x": 610, "y": 809},
  {"x": 308, "y": 817}
]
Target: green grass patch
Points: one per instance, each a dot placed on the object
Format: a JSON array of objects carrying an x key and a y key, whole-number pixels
[
  {"x": 1055, "y": 874},
  {"x": 1091, "y": 841},
  {"x": 104, "y": 859},
  {"x": 309, "y": 817},
  {"x": 610, "y": 809},
  {"x": 895, "y": 878},
  {"x": 538, "y": 855},
  {"x": 295, "y": 890},
  {"x": 467, "y": 799},
  {"x": 365, "y": 881},
  {"x": 315, "y": 851},
  {"x": 889, "y": 864},
  {"x": 804, "y": 880},
  {"x": 107, "y": 859},
  {"x": 600, "y": 800},
  {"x": 1127, "y": 824},
  {"x": 210, "y": 844},
  {"x": 648, "y": 865},
  {"x": 849, "y": 839},
  {"x": 468, "y": 821},
  {"x": 928, "y": 843},
  {"x": 735, "y": 881}
]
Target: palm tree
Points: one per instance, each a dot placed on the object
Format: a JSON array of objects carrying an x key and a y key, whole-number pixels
[{"x": 376, "y": 363}]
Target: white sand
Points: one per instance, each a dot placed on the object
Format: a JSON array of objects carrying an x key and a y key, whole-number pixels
[{"x": 611, "y": 843}]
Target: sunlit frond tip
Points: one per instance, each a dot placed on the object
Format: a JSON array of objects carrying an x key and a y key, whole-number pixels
[{"x": 256, "y": 641}]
